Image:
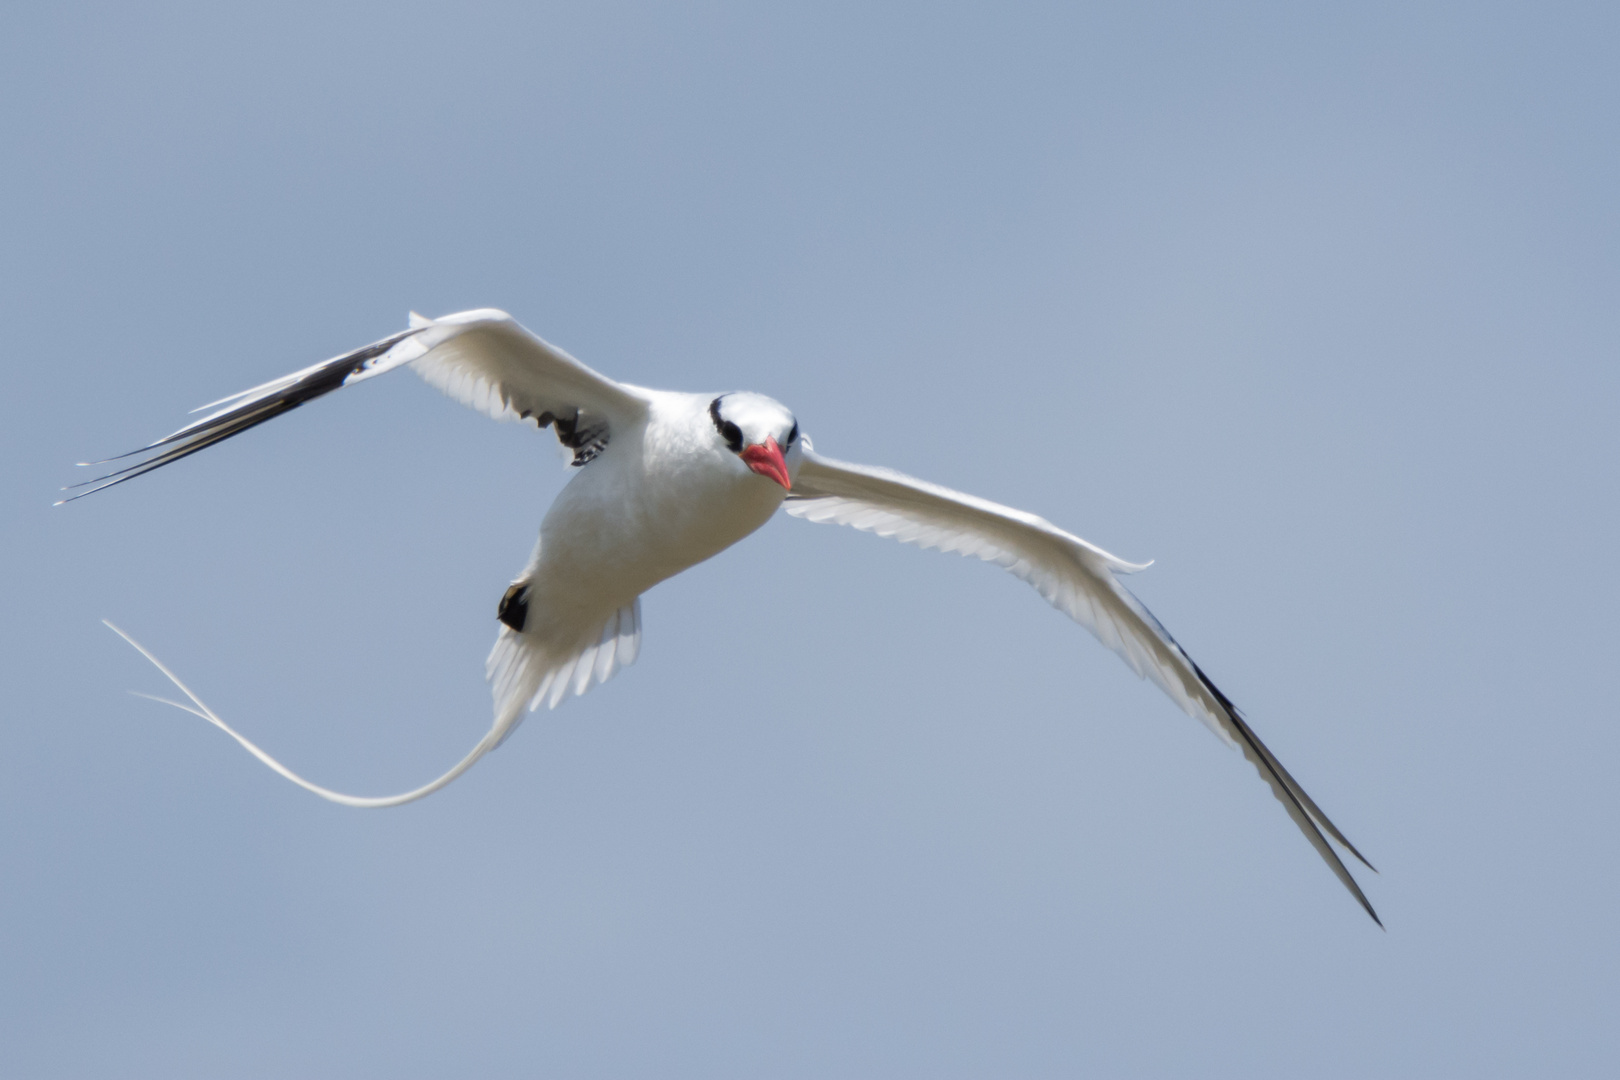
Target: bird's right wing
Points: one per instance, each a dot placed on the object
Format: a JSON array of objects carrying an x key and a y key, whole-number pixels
[
  {"x": 1076, "y": 577},
  {"x": 482, "y": 358}
]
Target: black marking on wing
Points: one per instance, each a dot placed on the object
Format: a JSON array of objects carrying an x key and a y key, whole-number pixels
[
  {"x": 514, "y": 606},
  {"x": 1300, "y": 806},
  {"x": 1277, "y": 766},
  {"x": 1309, "y": 812},
  {"x": 320, "y": 380},
  {"x": 585, "y": 436}
]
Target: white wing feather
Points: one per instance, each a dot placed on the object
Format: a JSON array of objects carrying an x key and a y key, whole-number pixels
[
  {"x": 488, "y": 360},
  {"x": 482, "y": 358},
  {"x": 1076, "y": 577}
]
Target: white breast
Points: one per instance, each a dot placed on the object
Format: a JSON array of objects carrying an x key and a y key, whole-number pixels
[{"x": 657, "y": 501}]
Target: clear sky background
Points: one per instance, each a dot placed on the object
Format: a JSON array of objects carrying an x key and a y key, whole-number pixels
[{"x": 1316, "y": 306}]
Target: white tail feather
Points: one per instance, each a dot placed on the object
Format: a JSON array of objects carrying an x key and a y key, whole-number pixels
[
  {"x": 519, "y": 677},
  {"x": 485, "y": 745}
]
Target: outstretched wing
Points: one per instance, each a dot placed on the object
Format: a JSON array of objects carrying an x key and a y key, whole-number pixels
[
  {"x": 1077, "y": 578},
  {"x": 481, "y": 358}
]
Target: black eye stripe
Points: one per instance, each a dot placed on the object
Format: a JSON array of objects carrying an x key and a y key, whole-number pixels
[
  {"x": 733, "y": 435},
  {"x": 728, "y": 431}
]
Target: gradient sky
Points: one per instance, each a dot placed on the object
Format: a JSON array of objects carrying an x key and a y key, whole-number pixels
[{"x": 1316, "y": 306}]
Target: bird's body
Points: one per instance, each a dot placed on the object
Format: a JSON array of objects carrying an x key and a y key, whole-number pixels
[
  {"x": 654, "y": 502},
  {"x": 659, "y": 498},
  {"x": 666, "y": 480}
]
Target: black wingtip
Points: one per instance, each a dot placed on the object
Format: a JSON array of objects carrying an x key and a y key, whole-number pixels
[
  {"x": 1351, "y": 848},
  {"x": 1276, "y": 767},
  {"x": 1368, "y": 908},
  {"x": 75, "y": 497},
  {"x": 1307, "y": 815},
  {"x": 289, "y": 392}
]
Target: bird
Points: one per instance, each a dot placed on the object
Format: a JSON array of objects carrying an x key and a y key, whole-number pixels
[{"x": 664, "y": 480}]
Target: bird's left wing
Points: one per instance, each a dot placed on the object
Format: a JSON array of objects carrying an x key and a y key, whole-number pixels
[
  {"x": 482, "y": 358},
  {"x": 1076, "y": 577}
]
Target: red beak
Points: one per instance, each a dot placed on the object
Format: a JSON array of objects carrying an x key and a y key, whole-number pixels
[{"x": 766, "y": 459}]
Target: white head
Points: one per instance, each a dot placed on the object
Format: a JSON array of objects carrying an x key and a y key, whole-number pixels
[{"x": 760, "y": 431}]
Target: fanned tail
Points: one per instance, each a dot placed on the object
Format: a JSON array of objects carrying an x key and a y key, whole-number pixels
[{"x": 524, "y": 675}]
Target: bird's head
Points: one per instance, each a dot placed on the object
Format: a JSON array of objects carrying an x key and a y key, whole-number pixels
[{"x": 760, "y": 431}]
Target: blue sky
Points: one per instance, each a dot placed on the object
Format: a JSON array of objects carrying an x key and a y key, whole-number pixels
[{"x": 1314, "y": 306}]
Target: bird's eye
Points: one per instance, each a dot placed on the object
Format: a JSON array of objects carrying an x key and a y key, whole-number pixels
[{"x": 794, "y": 434}]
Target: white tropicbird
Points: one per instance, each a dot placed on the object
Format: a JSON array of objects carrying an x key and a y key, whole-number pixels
[{"x": 667, "y": 480}]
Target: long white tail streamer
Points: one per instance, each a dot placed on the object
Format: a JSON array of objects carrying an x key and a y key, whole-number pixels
[{"x": 484, "y": 746}]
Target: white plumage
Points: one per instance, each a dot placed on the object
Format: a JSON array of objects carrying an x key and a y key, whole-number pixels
[{"x": 667, "y": 480}]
